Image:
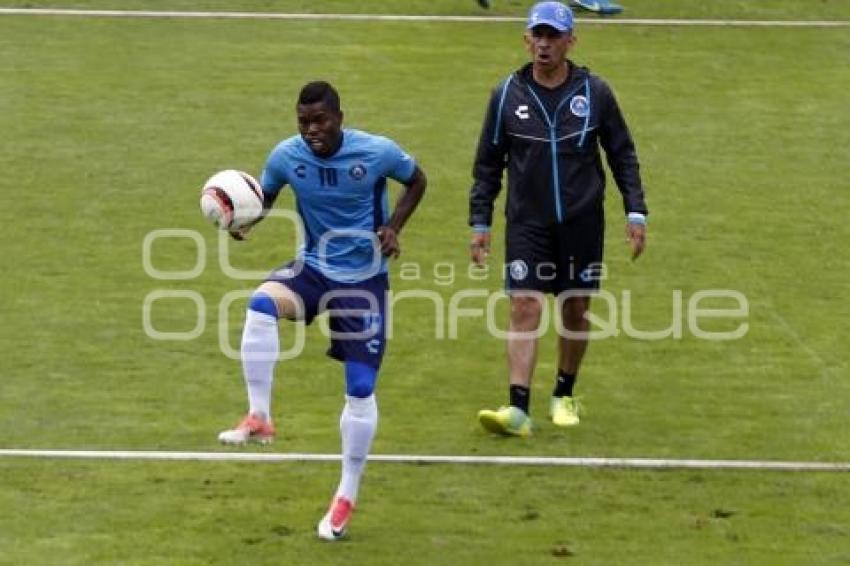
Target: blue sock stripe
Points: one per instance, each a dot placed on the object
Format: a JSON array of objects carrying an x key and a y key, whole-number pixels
[{"x": 260, "y": 302}]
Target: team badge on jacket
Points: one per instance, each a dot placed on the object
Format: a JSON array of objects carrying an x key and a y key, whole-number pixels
[{"x": 579, "y": 106}]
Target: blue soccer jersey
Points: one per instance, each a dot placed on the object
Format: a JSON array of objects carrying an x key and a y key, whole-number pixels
[{"x": 341, "y": 199}]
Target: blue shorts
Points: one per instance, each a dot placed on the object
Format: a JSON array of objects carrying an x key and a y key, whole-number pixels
[{"x": 357, "y": 310}]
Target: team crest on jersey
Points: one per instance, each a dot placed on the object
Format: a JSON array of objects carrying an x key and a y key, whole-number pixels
[
  {"x": 579, "y": 106},
  {"x": 301, "y": 171},
  {"x": 518, "y": 269},
  {"x": 357, "y": 172}
]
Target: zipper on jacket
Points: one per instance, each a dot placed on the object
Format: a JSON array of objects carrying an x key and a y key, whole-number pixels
[{"x": 552, "y": 124}]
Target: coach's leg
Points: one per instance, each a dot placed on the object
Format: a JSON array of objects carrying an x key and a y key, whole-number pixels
[
  {"x": 526, "y": 310},
  {"x": 571, "y": 348}
]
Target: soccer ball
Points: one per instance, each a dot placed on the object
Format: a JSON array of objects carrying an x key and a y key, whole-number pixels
[{"x": 231, "y": 199}]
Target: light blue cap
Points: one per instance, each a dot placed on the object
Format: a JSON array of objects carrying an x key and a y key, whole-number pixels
[{"x": 554, "y": 14}]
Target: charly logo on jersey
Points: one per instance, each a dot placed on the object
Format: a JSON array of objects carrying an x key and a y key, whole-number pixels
[
  {"x": 579, "y": 106},
  {"x": 357, "y": 172},
  {"x": 522, "y": 112},
  {"x": 518, "y": 269},
  {"x": 301, "y": 171}
]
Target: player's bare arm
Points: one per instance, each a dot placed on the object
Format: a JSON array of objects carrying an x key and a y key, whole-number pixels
[{"x": 409, "y": 199}]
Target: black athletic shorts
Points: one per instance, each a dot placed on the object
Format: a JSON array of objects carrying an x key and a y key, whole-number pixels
[{"x": 557, "y": 258}]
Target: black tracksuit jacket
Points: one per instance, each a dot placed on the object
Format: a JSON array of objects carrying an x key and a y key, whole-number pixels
[{"x": 554, "y": 165}]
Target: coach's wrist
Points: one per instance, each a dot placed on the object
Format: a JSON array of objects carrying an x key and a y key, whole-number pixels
[
  {"x": 636, "y": 218},
  {"x": 480, "y": 228}
]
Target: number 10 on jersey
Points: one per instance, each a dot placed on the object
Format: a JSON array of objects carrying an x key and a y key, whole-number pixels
[{"x": 327, "y": 176}]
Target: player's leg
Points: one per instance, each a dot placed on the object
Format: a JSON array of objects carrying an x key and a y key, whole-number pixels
[
  {"x": 273, "y": 300},
  {"x": 260, "y": 348},
  {"x": 358, "y": 423},
  {"x": 527, "y": 250},
  {"x": 358, "y": 340},
  {"x": 261, "y": 344}
]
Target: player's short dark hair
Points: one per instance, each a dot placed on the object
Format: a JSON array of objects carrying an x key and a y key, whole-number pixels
[{"x": 319, "y": 91}]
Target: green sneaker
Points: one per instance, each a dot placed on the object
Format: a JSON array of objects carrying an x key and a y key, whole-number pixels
[
  {"x": 564, "y": 411},
  {"x": 510, "y": 421}
]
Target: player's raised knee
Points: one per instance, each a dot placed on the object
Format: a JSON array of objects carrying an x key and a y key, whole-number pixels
[
  {"x": 287, "y": 304},
  {"x": 262, "y": 302}
]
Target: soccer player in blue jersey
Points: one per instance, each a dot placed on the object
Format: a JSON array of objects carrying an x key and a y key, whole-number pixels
[{"x": 339, "y": 177}]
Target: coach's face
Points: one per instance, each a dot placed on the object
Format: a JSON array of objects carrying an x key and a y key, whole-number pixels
[
  {"x": 548, "y": 47},
  {"x": 320, "y": 127}
]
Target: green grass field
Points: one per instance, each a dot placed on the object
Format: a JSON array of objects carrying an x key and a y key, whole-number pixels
[{"x": 111, "y": 125}]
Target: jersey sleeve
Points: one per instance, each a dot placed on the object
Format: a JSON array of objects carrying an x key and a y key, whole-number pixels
[
  {"x": 273, "y": 177},
  {"x": 399, "y": 165}
]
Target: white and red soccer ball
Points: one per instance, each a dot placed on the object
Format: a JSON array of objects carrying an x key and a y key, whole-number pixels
[{"x": 231, "y": 199}]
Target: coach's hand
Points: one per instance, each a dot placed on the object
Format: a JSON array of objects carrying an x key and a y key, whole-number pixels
[
  {"x": 636, "y": 237},
  {"x": 389, "y": 242},
  {"x": 479, "y": 248}
]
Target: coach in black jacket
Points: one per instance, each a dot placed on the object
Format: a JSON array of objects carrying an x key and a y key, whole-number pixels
[{"x": 545, "y": 123}]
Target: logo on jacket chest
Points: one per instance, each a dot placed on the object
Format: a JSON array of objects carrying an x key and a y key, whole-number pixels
[
  {"x": 579, "y": 106},
  {"x": 521, "y": 112}
]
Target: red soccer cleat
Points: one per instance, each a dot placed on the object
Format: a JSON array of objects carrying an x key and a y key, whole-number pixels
[{"x": 250, "y": 429}]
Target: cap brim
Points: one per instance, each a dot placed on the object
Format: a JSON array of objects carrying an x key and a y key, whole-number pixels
[{"x": 551, "y": 23}]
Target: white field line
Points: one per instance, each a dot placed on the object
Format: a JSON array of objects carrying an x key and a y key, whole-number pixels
[
  {"x": 644, "y": 463},
  {"x": 413, "y": 18}
]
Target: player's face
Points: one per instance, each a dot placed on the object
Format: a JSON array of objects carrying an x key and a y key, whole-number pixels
[
  {"x": 320, "y": 127},
  {"x": 548, "y": 46}
]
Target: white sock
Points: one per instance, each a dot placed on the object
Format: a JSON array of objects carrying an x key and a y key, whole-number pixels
[
  {"x": 260, "y": 346},
  {"x": 357, "y": 426}
]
